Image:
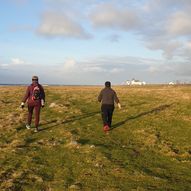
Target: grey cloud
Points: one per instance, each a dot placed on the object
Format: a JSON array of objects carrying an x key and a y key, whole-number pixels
[
  {"x": 183, "y": 69},
  {"x": 166, "y": 24},
  {"x": 154, "y": 21},
  {"x": 180, "y": 70},
  {"x": 112, "y": 16},
  {"x": 186, "y": 51},
  {"x": 169, "y": 47},
  {"x": 56, "y": 24},
  {"x": 3, "y": 67},
  {"x": 179, "y": 23},
  {"x": 160, "y": 24}
]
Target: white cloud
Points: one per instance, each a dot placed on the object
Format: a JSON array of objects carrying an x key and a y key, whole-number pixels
[
  {"x": 3, "y": 66},
  {"x": 70, "y": 65},
  {"x": 17, "y": 61},
  {"x": 57, "y": 24},
  {"x": 116, "y": 70},
  {"x": 97, "y": 70},
  {"x": 13, "y": 64},
  {"x": 93, "y": 69}
]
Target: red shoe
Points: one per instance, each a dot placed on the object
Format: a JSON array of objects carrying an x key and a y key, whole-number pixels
[{"x": 106, "y": 128}]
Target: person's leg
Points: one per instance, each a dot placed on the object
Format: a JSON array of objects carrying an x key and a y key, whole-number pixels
[
  {"x": 110, "y": 115},
  {"x": 37, "y": 115},
  {"x": 104, "y": 114},
  {"x": 30, "y": 113}
]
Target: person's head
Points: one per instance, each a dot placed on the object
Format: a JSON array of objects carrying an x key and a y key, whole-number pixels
[
  {"x": 108, "y": 84},
  {"x": 35, "y": 79}
]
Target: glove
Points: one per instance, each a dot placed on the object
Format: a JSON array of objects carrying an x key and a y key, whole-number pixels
[
  {"x": 119, "y": 105},
  {"x": 42, "y": 103},
  {"x": 22, "y": 105}
]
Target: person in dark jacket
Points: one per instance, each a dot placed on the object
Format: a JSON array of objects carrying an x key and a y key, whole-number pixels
[
  {"x": 35, "y": 98},
  {"x": 107, "y": 97}
]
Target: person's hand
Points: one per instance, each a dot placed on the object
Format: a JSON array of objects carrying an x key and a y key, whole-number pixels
[
  {"x": 22, "y": 105},
  {"x": 42, "y": 103},
  {"x": 119, "y": 105}
]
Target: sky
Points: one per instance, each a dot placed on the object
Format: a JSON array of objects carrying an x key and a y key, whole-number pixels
[{"x": 88, "y": 42}]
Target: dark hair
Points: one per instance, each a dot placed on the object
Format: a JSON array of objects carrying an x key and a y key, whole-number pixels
[
  {"x": 35, "y": 78},
  {"x": 107, "y": 84}
]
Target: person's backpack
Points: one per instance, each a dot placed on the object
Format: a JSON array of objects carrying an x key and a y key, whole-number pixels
[{"x": 36, "y": 93}]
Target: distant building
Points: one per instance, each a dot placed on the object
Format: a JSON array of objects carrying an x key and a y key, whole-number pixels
[
  {"x": 135, "y": 82},
  {"x": 171, "y": 83},
  {"x": 128, "y": 83}
]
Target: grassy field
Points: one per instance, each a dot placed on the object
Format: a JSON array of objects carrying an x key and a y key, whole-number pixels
[{"x": 148, "y": 148}]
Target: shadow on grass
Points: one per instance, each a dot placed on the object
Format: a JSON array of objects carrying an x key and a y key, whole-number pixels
[
  {"x": 70, "y": 120},
  {"x": 154, "y": 110},
  {"x": 95, "y": 143}
]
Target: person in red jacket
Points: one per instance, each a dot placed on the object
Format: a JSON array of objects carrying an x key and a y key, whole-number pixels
[
  {"x": 35, "y": 97},
  {"x": 107, "y": 97}
]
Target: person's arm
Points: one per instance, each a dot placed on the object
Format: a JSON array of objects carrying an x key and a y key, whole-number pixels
[
  {"x": 100, "y": 97},
  {"x": 26, "y": 96},
  {"x": 117, "y": 100}
]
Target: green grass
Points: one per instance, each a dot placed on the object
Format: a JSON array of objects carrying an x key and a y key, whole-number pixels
[{"x": 149, "y": 147}]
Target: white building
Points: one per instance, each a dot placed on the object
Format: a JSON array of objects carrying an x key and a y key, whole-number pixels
[
  {"x": 128, "y": 83},
  {"x": 135, "y": 82},
  {"x": 171, "y": 83}
]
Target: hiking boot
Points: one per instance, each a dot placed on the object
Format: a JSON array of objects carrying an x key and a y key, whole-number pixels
[
  {"x": 106, "y": 128},
  {"x": 28, "y": 126}
]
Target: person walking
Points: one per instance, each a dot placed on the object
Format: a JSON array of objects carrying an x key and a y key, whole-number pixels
[
  {"x": 35, "y": 97},
  {"x": 107, "y": 97}
]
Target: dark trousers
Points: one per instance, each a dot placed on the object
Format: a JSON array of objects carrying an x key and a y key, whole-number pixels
[
  {"x": 36, "y": 108},
  {"x": 107, "y": 113}
]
